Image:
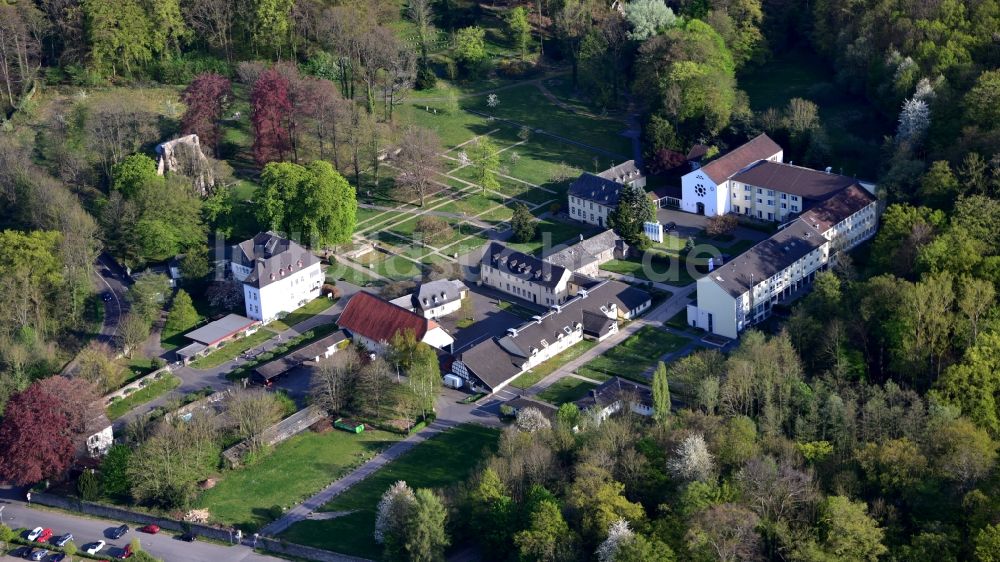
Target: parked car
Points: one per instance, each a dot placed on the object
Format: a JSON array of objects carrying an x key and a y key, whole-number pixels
[
  {"x": 58, "y": 557},
  {"x": 94, "y": 547},
  {"x": 61, "y": 541},
  {"x": 21, "y": 552},
  {"x": 106, "y": 296},
  {"x": 188, "y": 537},
  {"x": 46, "y": 535},
  {"x": 34, "y": 533},
  {"x": 39, "y": 554},
  {"x": 119, "y": 532},
  {"x": 669, "y": 226},
  {"x": 151, "y": 529}
]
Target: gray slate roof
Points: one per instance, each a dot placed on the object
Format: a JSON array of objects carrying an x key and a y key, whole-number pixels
[
  {"x": 522, "y": 265},
  {"x": 622, "y": 173},
  {"x": 216, "y": 331},
  {"x": 436, "y": 293},
  {"x": 592, "y": 187},
  {"x": 796, "y": 180},
  {"x": 613, "y": 390},
  {"x": 625, "y": 296},
  {"x": 768, "y": 257},
  {"x": 584, "y": 252},
  {"x": 270, "y": 257},
  {"x": 490, "y": 363},
  {"x": 299, "y": 356}
]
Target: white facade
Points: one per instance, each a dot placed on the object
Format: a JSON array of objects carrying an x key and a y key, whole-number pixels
[
  {"x": 719, "y": 312},
  {"x": 282, "y": 295},
  {"x": 700, "y": 195},
  {"x": 99, "y": 443},
  {"x": 527, "y": 289},
  {"x": 589, "y": 211}
]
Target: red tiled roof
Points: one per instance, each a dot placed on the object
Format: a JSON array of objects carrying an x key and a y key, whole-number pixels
[
  {"x": 757, "y": 148},
  {"x": 379, "y": 320}
]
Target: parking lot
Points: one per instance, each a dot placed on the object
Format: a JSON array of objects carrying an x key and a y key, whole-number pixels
[{"x": 489, "y": 319}]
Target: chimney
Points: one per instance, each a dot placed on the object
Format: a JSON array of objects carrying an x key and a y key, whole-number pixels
[{"x": 829, "y": 169}]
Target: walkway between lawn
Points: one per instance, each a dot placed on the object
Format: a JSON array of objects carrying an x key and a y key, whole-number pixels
[
  {"x": 393, "y": 452},
  {"x": 654, "y": 318},
  {"x": 359, "y": 267},
  {"x": 642, "y": 282}
]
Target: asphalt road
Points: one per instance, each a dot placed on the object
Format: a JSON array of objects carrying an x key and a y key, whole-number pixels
[
  {"x": 111, "y": 280},
  {"x": 86, "y": 529}
]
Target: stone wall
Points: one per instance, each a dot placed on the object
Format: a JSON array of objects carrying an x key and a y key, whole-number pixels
[
  {"x": 134, "y": 385},
  {"x": 284, "y": 429},
  {"x": 214, "y": 533}
]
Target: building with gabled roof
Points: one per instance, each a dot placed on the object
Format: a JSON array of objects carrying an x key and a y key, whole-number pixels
[
  {"x": 592, "y": 313},
  {"x": 706, "y": 189},
  {"x": 434, "y": 299},
  {"x": 373, "y": 322},
  {"x": 586, "y": 256},
  {"x": 278, "y": 275},
  {"x": 742, "y": 292},
  {"x": 613, "y": 395},
  {"x": 592, "y": 197},
  {"x": 523, "y": 276}
]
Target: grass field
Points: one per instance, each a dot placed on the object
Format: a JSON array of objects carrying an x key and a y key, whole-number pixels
[
  {"x": 670, "y": 272},
  {"x": 632, "y": 357},
  {"x": 153, "y": 390},
  {"x": 441, "y": 461},
  {"x": 552, "y": 233},
  {"x": 253, "y": 496},
  {"x": 547, "y": 368},
  {"x": 566, "y": 389},
  {"x": 232, "y": 349},
  {"x": 301, "y": 314}
]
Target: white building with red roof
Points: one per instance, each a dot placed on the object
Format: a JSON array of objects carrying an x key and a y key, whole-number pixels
[
  {"x": 706, "y": 190},
  {"x": 373, "y": 322}
]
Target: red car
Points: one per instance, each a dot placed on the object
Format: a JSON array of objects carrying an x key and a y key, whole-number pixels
[
  {"x": 151, "y": 529},
  {"x": 46, "y": 535}
]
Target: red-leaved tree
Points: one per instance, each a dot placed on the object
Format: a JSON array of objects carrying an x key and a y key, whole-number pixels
[
  {"x": 206, "y": 97},
  {"x": 271, "y": 115},
  {"x": 39, "y": 428}
]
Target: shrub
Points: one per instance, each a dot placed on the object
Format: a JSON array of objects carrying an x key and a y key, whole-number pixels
[
  {"x": 721, "y": 225},
  {"x": 513, "y": 68}
]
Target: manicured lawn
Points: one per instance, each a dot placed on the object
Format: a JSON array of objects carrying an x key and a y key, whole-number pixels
[
  {"x": 339, "y": 271},
  {"x": 671, "y": 272},
  {"x": 566, "y": 389},
  {"x": 304, "y": 312},
  {"x": 547, "y": 368},
  {"x": 232, "y": 349},
  {"x": 678, "y": 321},
  {"x": 438, "y": 462},
  {"x": 631, "y": 358},
  {"x": 162, "y": 385},
  {"x": 552, "y": 233},
  {"x": 254, "y": 495}
]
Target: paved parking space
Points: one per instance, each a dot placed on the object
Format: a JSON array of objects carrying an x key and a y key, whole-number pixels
[
  {"x": 489, "y": 321},
  {"x": 690, "y": 224}
]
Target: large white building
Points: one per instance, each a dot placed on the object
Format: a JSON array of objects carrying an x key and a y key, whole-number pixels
[
  {"x": 524, "y": 276},
  {"x": 707, "y": 189},
  {"x": 374, "y": 322},
  {"x": 278, "y": 275},
  {"x": 592, "y": 197},
  {"x": 742, "y": 292}
]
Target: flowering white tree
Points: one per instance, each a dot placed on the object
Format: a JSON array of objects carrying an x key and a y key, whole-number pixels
[
  {"x": 647, "y": 17},
  {"x": 492, "y": 100},
  {"x": 692, "y": 460},
  {"x": 914, "y": 120},
  {"x": 925, "y": 90},
  {"x": 531, "y": 420},
  {"x": 618, "y": 535},
  {"x": 393, "y": 509}
]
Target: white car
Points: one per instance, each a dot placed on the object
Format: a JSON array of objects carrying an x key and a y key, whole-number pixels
[
  {"x": 94, "y": 547},
  {"x": 35, "y": 533}
]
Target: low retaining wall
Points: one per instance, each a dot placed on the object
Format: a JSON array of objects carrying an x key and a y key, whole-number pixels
[
  {"x": 122, "y": 514},
  {"x": 134, "y": 385},
  {"x": 302, "y": 551},
  {"x": 284, "y": 429},
  {"x": 214, "y": 533}
]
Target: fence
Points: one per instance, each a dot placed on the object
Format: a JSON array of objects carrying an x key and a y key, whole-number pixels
[
  {"x": 215, "y": 533},
  {"x": 284, "y": 429},
  {"x": 134, "y": 386}
]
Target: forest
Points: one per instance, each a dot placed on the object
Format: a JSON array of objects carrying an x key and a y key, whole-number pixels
[{"x": 861, "y": 424}]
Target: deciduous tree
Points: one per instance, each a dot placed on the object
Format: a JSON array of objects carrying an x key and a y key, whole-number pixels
[
  {"x": 271, "y": 111},
  {"x": 634, "y": 208},
  {"x": 523, "y": 223},
  {"x": 252, "y": 411},
  {"x": 485, "y": 160},
  {"x": 206, "y": 98},
  {"x": 661, "y": 394},
  {"x": 418, "y": 162},
  {"x": 96, "y": 363},
  {"x": 647, "y": 18},
  {"x": 519, "y": 29}
]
